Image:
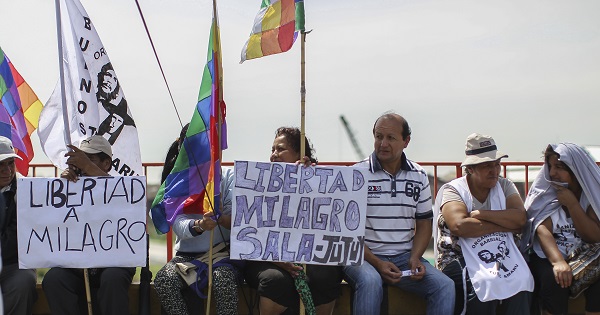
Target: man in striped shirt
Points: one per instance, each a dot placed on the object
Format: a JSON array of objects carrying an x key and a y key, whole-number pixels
[{"x": 398, "y": 226}]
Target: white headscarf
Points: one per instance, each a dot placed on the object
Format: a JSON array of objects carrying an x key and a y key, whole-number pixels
[{"x": 541, "y": 200}]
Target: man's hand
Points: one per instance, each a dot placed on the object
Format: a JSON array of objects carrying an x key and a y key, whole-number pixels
[
  {"x": 389, "y": 272},
  {"x": 77, "y": 158},
  {"x": 417, "y": 267},
  {"x": 70, "y": 175}
]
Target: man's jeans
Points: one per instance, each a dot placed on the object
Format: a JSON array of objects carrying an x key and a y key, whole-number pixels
[{"x": 435, "y": 287}]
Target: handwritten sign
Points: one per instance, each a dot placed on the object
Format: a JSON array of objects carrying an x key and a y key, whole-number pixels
[
  {"x": 95, "y": 222},
  {"x": 287, "y": 212}
]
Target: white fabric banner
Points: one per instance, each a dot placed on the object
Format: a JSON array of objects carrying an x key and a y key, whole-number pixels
[
  {"x": 94, "y": 98},
  {"x": 95, "y": 222},
  {"x": 287, "y": 212}
]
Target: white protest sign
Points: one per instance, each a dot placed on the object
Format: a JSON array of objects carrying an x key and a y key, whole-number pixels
[
  {"x": 95, "y": 222},
  {"x": 287, "y": 212}
]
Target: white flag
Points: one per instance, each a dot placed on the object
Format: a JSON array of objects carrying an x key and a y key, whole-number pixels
[{"x": 94, "y": 98}]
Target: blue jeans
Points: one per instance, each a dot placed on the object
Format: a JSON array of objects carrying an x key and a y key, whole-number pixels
[{"x": 435, "y": 287}]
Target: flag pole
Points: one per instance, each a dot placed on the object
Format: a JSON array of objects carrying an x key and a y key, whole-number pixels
[
  {"x": 219, "y": 99},
  {"x": 67, "y": 134},
  {"x": 302, "y": 94},
  {"x": 302, "y": 117}
]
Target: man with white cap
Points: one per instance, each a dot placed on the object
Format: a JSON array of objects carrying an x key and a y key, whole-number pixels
[
  {"x": 18, "y": 285},
  {"x": 475, "y": 218},
  {"x": 64, "y": 288}
]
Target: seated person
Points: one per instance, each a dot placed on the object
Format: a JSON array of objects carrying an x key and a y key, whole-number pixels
[
  {"x": 275, "y": 281},
  {"x": 18, "y": 285},
  {"x": 192, "y": 239},
  {"x": 476, "y": 216},
  {"x": 398, "y": 226},
  {"x": 563, "y": 207},
  {"x": 64, "y": 288}
]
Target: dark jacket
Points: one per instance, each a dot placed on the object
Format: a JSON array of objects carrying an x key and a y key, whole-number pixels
[{"x": 8, "y": 225}]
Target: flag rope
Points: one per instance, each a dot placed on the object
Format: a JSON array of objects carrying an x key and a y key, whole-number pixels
[
  {"x": 170, "y": 94},
  {"x": 158, "y": 61}
]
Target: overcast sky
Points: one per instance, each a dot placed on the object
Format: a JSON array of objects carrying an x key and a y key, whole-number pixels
[{"x": 525, "y": 72}]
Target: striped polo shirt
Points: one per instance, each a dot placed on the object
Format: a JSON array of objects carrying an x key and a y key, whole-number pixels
[{"x": 394, "y": 202}]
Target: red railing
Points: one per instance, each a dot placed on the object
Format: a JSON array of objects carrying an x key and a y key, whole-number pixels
[{"x": 522, "y": 173}]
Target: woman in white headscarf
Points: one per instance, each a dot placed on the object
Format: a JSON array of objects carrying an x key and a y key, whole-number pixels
[{"x": 562, "y": 210}]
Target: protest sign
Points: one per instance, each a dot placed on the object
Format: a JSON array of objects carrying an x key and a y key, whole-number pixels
[
  {"x": 292, "y": 213},
  {"x": 94, "y": 222}
]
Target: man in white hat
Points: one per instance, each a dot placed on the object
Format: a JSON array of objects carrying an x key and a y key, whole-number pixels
[
  {"x": 476, "y": 216},
  {"x": 18, "y": 285},
  {"x": 64, "y": 288},
  {"x": 398, "y": 226}
]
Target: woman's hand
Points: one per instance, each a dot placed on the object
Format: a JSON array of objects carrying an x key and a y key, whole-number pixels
[
  {"x": 565, "y": 196},
  {"x": 207, "y": 223},
  {"x": 562, "y": 274},
  {"x": 289, "y": 267},
  {"x": 305, "y": 161}
]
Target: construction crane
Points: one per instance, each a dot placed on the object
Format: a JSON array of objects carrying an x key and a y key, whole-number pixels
[{"x": 357, "y": 149}]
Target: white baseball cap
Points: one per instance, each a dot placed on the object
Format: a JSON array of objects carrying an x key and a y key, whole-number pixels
[
  {"x": 7, "y": 150},
  {"x": 95, "y": 144}
]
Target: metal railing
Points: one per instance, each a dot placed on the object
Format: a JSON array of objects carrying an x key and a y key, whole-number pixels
[{"x": 521, "y": 173}]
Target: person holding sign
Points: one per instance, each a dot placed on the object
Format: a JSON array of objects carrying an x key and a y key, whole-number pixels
[
  {"x": 65, "y": 288},
  {"x": 192, "y": 243},
  {"x": 18, "y": 285},
  {"x": 275, "y": 281},
  {"x": 476, "y": 216},
  {"x": 398, "y": 226}
]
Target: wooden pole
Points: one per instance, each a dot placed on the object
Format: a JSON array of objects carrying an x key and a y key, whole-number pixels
[
  {"x": 88, "y": 295},
  {"x": 302, "y": 94},
  {"x": 302, "y": 117},
  {"x": 218, "y": 101},
  {"x": 67, "y": 135},
  {"x": 210, "y": 271}
]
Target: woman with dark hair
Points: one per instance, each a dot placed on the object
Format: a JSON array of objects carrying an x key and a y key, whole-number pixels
[
  {"x": 173, "y": 153},
  {"x": 563, "y": 207},
  {"x": 275, "y": 280},
  {"x": 192, "y": 243}
]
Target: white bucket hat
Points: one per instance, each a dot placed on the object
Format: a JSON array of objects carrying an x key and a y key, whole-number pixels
[
  {"x": 7, "y": 150},
  {"x": 480, "y": 149}
]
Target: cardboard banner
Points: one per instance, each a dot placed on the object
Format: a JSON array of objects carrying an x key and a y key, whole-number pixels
[
  {"x": 287, "y": 212},
  {"x": 95, "y": 222}
]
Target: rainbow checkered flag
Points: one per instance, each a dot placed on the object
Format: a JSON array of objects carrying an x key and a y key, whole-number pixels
[
  {"x": 275, "y": 28},
  {"x": 19, "y": 112},
  {"x": 193, "y": 186}
]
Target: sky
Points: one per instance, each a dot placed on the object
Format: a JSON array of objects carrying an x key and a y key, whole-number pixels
[{"x": 525, "y": 72}]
